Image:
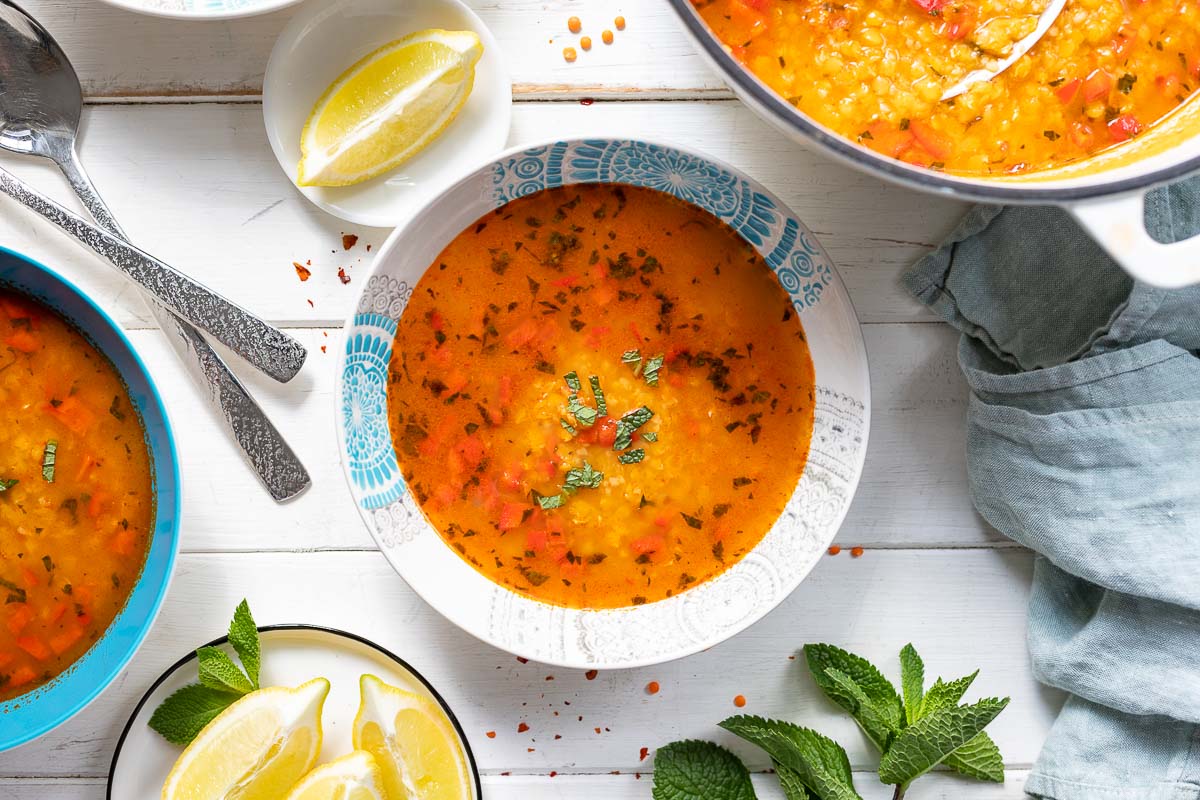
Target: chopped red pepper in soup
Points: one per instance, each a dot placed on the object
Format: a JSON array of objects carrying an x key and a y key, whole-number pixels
[
  {"x": 76, "y": 501},
  {"x": 600, "y": 396},
  {"x": 876, "y": 71}
]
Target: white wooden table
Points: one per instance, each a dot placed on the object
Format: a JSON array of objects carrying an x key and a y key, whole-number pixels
[{"x": 174, "y": 140}]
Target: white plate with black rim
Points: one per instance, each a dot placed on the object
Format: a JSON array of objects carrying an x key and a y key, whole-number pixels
[{"x": 292, "y": 654}]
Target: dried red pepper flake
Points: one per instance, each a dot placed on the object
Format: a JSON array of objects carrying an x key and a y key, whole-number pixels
[
  {"x": 643, "y": 753},
  {"x": 834, "y": 550},
  {"x": 342, "y": 276},
  {"x": 491, "y": 734},
  {"x": 529, "y": 750},
  {"x": 591, "y": 674},
  {"x": 323, "y": 348},
  {"x": 740, "y": 701},
  {"x": 557, "y": 736},
  {"x": 349, "y": 240},
  {"x": 549, "y": 677},
  {"x": 310, "y": 303},
  {"x": 302, "y": 272},
  {"x": 523, "y": 660},
  {"x": 587, "y": 101},
  {"x": 522, "y": 728},
  {"x": 552, "y": 773},
  {"x": 652, "y": 687},
  {"x": 597, "y": 730},
  {"x": 856, "y": 552}
]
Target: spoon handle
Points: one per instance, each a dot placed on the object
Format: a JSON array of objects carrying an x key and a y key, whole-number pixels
[
  {"x": 269, "y": 454},
  {"x": 272, "y": 350}
]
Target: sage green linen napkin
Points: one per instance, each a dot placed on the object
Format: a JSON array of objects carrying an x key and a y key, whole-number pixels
[{"x": 1083, "y": 440}]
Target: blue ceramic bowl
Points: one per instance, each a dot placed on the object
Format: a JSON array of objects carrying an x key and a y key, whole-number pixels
[{"x": 33, "y": 714}]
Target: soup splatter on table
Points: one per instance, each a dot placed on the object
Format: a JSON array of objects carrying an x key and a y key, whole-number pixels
[
  {"x": 875, "y": 73},
  {"x": 601, "y": 396},
  {"x": 76, "y": 499}
]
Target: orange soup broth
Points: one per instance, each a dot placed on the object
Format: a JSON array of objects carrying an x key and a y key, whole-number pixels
[
  {"x": 71, "y": 548},
  {"x": 573, "y": 280}
]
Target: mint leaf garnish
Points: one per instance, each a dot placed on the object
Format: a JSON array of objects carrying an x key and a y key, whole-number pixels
[
  {"x": 243, "y": 635},
  {"x": 49, "y": 459},
  {"x": 876, "y": 719},
  {"x": 692, "y": 770},
  {"x": 979, "y": 759},
  {"x": 7, "y": 483},
  {"x": 942, "y": 694},
  {"x": 886, "y": 703},
  {"x": 217, "y": 671},
  {"x": 924, "y": 745},
  {"x": 181, "y": 717},
  {"x": 650, "y": 369},
  {"x": 912, "y": 681},
  {"x": 820, "y": 763},
  {"x": 790, "y": 782}
]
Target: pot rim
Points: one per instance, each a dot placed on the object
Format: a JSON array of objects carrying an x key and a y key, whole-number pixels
[{"x": 749, "y": 88}]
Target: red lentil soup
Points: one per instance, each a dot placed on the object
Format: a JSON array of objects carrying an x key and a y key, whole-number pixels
[
  {"x": 76, "y": 499},
  {"x": 600, "y": 396},
  {"x": 875, "y": 72}
]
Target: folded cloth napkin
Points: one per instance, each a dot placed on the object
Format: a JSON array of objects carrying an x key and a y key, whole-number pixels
[{"x": 1084, "y": 444}]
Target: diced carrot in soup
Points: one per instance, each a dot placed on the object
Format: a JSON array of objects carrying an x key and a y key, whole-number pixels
[
  {"x": 639, "y": 377},
  {"x": 72, "y": 441}
]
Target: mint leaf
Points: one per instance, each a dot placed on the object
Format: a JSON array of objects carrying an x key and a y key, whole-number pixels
[
  {"x": 978, "y": 758},
  {"x": 878, "y": 689},
  {"x": 922, "y": 746},
  {"x": 789, "y": 781},
  {"x": 217, "y": 671},
  {"x": 243, "y": 635},
  {"x": 942, "y": 694},
  {"x": 820, "y": 763},
  {"x": 912, "y": 680},
  {"x": 181, "y": 717},
  {"x": 693, "y": 770},
  {"x": 875, "y": 720}
]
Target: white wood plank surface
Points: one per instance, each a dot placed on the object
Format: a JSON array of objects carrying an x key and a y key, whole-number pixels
[
  {"x": 584, "y": 787},
  {"x": 198, "y": 186},
  {"x": 963, "y": 610},
  {"x": 122, "y": 55}
]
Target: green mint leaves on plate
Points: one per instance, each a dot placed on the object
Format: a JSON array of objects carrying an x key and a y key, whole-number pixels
[
  {"x": 181, "y": 717},
  {"x": 915, "y": 729}
]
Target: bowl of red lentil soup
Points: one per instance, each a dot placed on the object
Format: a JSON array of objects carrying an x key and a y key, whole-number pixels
[
  {"x": 603, "y": 403},
  {"x": 1102, "y": 109},
  {"x": 89, "y": 500}
]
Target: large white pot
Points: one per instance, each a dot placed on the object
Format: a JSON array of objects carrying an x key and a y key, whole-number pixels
[{"x": 1106, "y": 192}]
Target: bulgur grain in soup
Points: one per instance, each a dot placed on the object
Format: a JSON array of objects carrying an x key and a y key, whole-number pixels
[
  {"x": 875, "y": 72},
  {"x": 76, "y": 494},
  {"x": 600, "y": 396}
]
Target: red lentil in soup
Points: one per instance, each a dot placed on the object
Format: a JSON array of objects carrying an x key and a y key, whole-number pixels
[
  {"x": 875, "y": 72},
  {"x": 76, "y": 499},
  {"x": 600, "y": 396}
]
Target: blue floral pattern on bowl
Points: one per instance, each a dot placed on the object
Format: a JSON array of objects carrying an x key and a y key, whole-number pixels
[{"x": 690, "y": 620}]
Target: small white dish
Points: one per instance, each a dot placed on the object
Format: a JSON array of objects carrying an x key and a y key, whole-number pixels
[
  {"x": 292, "y": 654},
  {"x": 201, "y": 9},
  {"x": 327, "y": 37}
]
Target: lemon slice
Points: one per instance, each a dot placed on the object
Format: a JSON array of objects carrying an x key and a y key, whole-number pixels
[
  {"x": 413, "y": 742},
  {"x": 256, "y": 749},
  {"x": 387, "y": 107},
  {"x": 352, "y": 777}
]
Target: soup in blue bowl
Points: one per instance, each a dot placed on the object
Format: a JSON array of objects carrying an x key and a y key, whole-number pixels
[{"x": 89, "y": 500}]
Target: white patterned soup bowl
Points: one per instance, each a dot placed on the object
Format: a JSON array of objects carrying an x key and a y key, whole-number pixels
[{"x": 707, "y": 613}]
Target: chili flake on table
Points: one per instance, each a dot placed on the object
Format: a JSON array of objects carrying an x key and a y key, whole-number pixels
[
  {"x": 875, "y": 73},
  {"x": 600, "y": 396}
]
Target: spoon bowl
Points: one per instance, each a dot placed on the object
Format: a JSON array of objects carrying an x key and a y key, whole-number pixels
[{"x": 41, "y": 98}]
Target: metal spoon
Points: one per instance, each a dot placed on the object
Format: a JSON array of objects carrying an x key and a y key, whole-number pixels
[
  {"x": 1020, "y": 48},
  {"x": 39, "y": 88}
]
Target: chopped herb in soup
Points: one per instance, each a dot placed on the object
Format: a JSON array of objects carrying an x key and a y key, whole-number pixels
[
  {"x": 600, "y": 396},
  {"x": 875, "y": 72},
  {"x": 76, "y": 502}
]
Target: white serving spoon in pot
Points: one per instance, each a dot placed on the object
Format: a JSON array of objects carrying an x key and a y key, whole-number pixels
[{"x": 1020, "y": 48}]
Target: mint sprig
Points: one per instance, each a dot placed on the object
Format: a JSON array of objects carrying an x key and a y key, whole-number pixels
[
  {"x": 916, "y": 729},
  {"x": 180, "y": 718}
]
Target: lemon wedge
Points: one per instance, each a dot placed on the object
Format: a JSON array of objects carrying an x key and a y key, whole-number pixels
[
  {"x": 256, "y": 749},
  {"x": 352, "y": 777},
  {"x": 387, "y": 107},
  {"x": 413, "y": 742}
]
